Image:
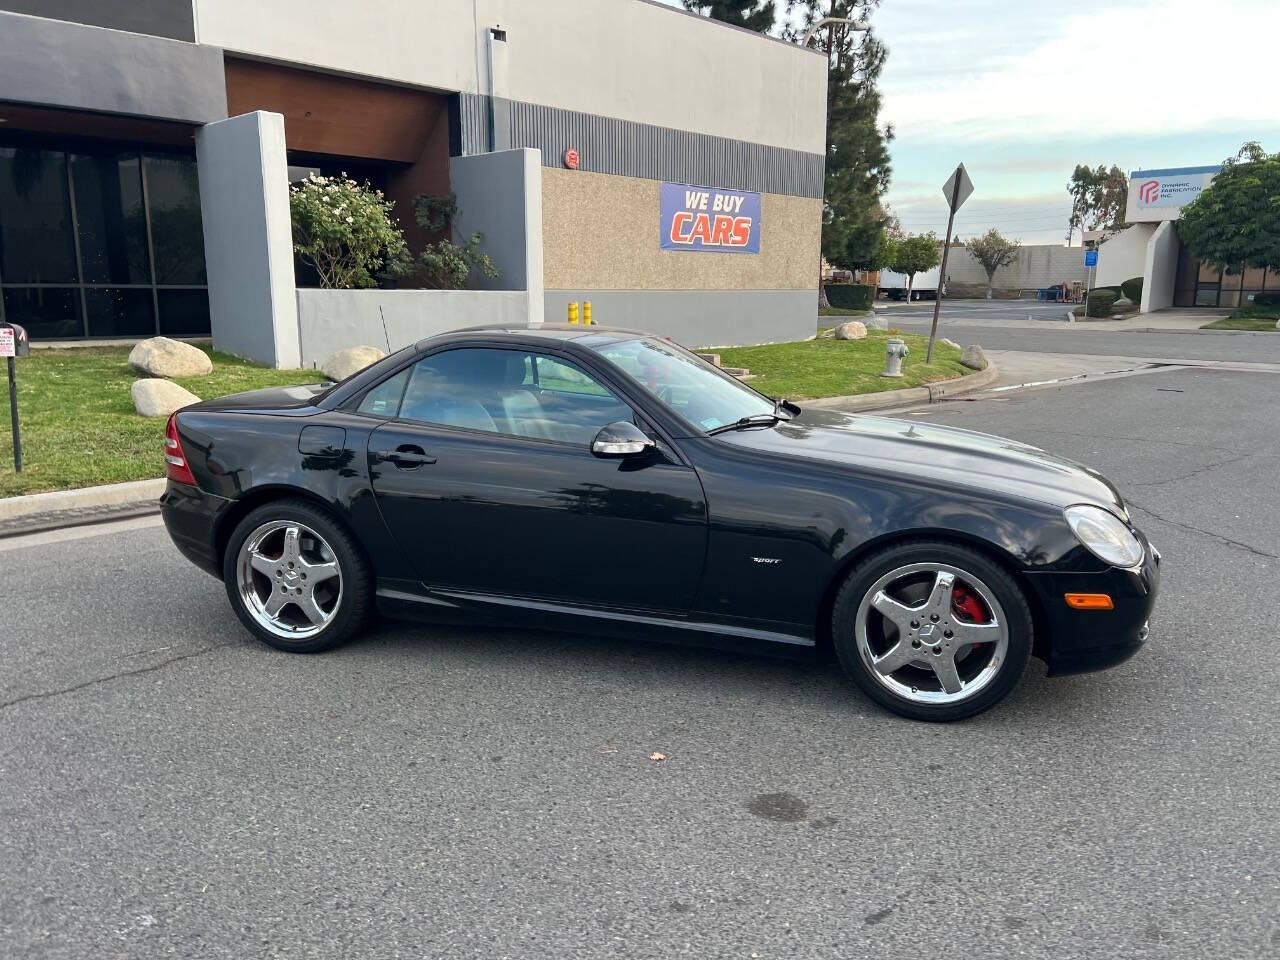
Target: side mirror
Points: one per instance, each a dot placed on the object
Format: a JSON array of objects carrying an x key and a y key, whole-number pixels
[{"x": 621, "y": 439}]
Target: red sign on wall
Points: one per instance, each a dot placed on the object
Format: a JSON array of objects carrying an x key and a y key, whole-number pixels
[{"x": 571, "y": 158}]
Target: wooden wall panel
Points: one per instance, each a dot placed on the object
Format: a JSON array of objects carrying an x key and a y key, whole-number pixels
[{"x": 338, "y": 116}]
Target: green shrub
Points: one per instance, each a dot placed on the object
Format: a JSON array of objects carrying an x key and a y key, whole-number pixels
[
  {"x": 1100, "y": 303},
  {"x": 1132, "y": 289},
  {"x": 851, "y": 296},
  {"x": 1268, "y": 298}
]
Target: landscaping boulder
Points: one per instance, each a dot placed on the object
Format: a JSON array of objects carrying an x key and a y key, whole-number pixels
[
  {"x": 351, "y": 360},
  {"x": 162, "y": 357},
  {"x": 154, "y": 397},
  {"x": 950, "y": 343},
  {"x": 875, "y": 322},
  {"x": 853, "y": 330},
  {"x": 973, "y": 357}
]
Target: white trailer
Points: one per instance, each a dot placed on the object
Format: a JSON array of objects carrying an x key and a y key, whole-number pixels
[{"x": 924, "y": 285}]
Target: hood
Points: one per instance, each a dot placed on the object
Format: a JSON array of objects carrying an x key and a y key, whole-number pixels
[
  {"x": 287, "y": 401},
  {"x": 927, "y": 452}
]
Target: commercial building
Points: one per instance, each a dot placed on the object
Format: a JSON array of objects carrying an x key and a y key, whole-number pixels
[
  {"x": 1150, "y": 248},
  {"x": 666, "y": 167}
]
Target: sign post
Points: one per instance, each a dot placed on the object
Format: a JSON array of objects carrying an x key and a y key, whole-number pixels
[
  {"x": 1090, "y": 261},
  {"x": 8, "y": 350},
  {"x": 956, "y": 191}
]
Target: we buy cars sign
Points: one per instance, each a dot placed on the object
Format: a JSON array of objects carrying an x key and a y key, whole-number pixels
[{"x": 709, "y": 220}]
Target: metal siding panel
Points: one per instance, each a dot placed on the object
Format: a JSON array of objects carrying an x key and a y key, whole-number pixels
[{"x": 623, "y": 148}]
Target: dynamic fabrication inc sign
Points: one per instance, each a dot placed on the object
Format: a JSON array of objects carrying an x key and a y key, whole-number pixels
[{"x": 709, "y": 220}]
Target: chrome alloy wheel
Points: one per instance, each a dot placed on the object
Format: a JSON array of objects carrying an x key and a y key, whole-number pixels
[
  {"x": 932, "y": 633},
  {"x": 288, "y": 579}
]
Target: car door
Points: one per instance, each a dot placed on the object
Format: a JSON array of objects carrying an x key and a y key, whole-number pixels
[{"x": 487, "y": 481}]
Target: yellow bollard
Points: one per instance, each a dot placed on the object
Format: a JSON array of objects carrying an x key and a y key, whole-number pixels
[
  {"x": 586, "y": 313},
  {"x": 573, "y": 312}
]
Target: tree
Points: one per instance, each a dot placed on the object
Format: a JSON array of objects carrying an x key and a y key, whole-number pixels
[
  {"x": 757, "y": 15},
  {"x": 1098, "y": 197},
  {"x": 857, "y": 152},
  {"x": 1235, "y": 223},
  {"x": 993, "y": 251},
  {"x": 915, "y": 254},
  {"x": 344, "y": 230}
]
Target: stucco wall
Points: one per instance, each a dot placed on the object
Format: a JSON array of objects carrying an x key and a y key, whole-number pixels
[
  {"x": 1124, "y": 256},
  {"x": 601, "y": 232},
  {"x": 500, "y": 196},
  {"x": 699, "y": 318},
  {"x": 331, "y": 320},
  {"x": 1161, "y": 268},
  {"x": 1041, "y": 265},
  {"x": 160, "y": 18},
  {"x": 57, "y": 64},
  {"x": 620, "y": 58},
  {"x": 248, "y": 240}
]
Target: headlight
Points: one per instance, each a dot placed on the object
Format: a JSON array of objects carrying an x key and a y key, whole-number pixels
[{"x": 1105, "y": 535}]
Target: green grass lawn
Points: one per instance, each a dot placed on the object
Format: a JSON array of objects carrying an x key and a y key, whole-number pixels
[
  {"x": 827, "y": 367},
  {"x": 1247, "y": 318},
  {"x": 78, "y": 424}
]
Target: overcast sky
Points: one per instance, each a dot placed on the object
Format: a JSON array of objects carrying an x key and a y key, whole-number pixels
[{"x": 1023, "y": 90}]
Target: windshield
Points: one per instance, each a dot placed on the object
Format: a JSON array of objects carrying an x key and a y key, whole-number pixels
[{"x": 686, "y": 383}]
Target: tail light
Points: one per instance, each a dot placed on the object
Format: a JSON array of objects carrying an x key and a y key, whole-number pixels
[{"x": 175, "y": 461}]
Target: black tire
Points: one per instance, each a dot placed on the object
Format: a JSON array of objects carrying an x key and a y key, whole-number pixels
[
  {"x": 998, "y": 581},
  {"x": 348, "y": 615}
]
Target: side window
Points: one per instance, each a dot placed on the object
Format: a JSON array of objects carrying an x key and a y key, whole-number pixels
[
  {"x": 561, "y": 377},
  {"x": 511, "y": 392},
  {"x": 384, "y": 399}
]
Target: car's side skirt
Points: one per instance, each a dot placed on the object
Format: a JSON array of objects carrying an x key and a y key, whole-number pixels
[{"x": 414, "y": 602}]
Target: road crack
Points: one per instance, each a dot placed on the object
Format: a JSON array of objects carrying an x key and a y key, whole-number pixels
[
  {"x": 119, "y": 675},
  {"x": 1193, "y": 473},
  {"x": 1208, "y": 533}
]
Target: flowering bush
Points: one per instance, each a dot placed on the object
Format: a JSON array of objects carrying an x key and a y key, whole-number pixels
[{"x": 344, "y": 230}]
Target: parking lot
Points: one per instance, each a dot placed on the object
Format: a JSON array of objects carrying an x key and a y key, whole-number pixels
[{"x": 170, "y": 788}]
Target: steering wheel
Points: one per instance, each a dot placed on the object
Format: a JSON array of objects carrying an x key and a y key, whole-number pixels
[{"x": 664, "y": 394}]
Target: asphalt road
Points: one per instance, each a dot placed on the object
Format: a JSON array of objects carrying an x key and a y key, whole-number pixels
[
  {"x": 1004, "y": 325},
  {"x": 169, "y": 788}
]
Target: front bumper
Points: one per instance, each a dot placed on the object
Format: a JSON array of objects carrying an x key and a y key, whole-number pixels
[
  {"x": 1080, "y": 641},
  {"x": 191, "y": 517}
]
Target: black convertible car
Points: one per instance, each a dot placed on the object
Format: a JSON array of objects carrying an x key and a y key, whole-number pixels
[{"x": 609, "y": 481}]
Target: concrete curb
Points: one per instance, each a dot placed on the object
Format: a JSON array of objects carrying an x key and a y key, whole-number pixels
[
  {"x": 909, "y": 395},
  {"x": 86, "y": 498}
]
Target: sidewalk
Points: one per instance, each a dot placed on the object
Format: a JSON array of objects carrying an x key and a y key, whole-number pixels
[{"x": 1171, "y": 318}]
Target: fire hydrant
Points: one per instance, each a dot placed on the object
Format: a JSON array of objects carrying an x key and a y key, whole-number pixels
[{"x": 894, "y": 351}]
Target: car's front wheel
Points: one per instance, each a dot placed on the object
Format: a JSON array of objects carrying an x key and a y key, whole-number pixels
[
  {"x": 932, "y": 630},
  {"x": 296, "y": 578}
]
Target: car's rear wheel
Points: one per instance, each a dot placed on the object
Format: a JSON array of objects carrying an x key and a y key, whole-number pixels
[
  {"x": 296, "y": 578},
  {"x": 932, "y": 630}
]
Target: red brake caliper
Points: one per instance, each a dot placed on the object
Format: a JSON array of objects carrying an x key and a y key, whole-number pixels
[{"x": 968, "y": 606}]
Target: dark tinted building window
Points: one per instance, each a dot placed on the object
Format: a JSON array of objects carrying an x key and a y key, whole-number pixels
[
  {"x": 99, "y": 240},
  {"x": 110, "y": 221},
  {"x": 36, "y": 245},
  {"x": 48, "y": 313},
  {"x": 183, "y": 313},
  {"x": 120, "y": 312},
  {"x": 173, "y": 192}
]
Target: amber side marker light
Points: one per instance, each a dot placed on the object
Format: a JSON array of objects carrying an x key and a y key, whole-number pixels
[{"x": 1089, "y": 601}]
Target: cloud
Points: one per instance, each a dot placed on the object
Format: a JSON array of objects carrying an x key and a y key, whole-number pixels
[{"x": 1021, "y": 71}]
